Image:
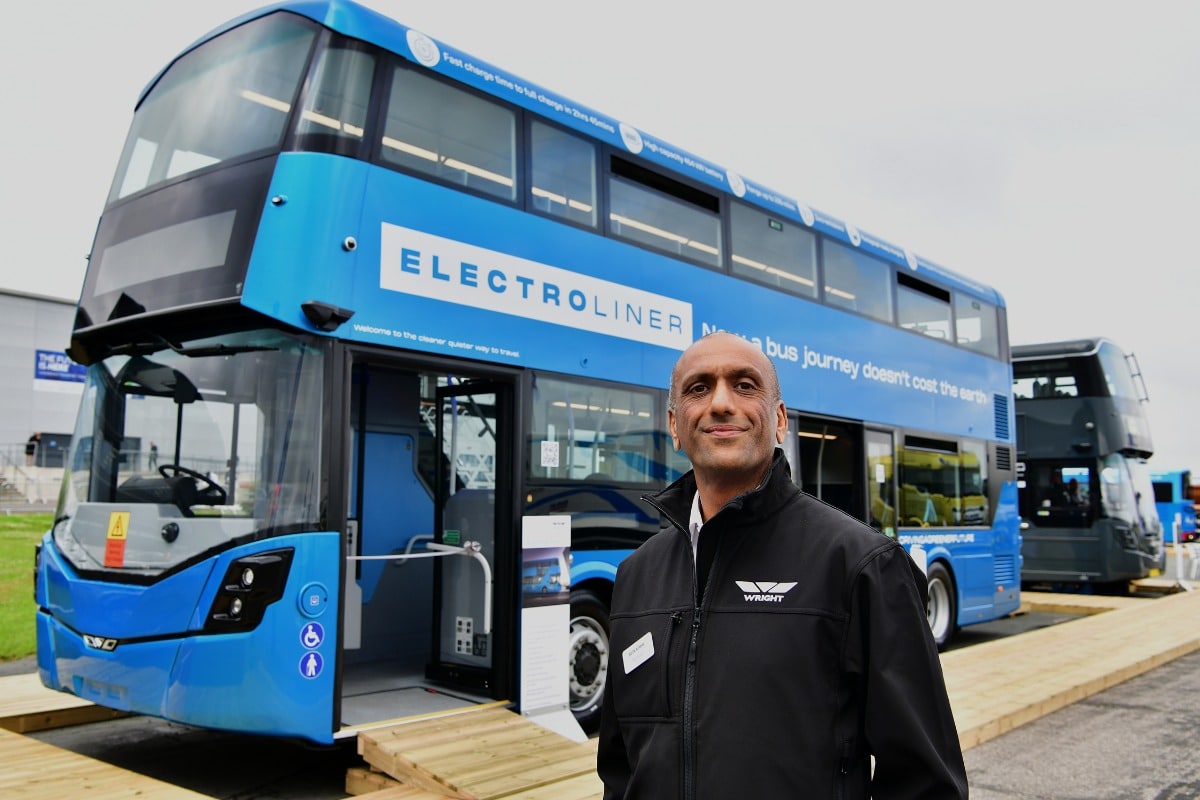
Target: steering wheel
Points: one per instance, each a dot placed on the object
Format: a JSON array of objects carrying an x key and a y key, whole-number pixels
[{"x": 210, "y": 492}]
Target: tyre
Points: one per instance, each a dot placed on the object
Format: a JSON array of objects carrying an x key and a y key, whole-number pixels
[
  {"x": 940, "y": 608},
  {"x": 588, "y": 657}
]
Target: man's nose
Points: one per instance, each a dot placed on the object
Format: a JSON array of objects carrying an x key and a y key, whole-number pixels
[{"x": 723, "y": 396}]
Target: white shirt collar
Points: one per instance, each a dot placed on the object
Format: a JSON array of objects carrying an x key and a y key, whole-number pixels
[{"x": 695, "y": 522}]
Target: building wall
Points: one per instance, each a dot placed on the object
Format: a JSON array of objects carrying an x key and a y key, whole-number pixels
[{"x": 29, "y": 323}]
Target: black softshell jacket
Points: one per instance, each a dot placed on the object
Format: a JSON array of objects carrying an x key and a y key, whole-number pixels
[{"x": 809, "y": 654}]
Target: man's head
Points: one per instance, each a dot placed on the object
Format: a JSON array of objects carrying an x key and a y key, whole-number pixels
[{"x": 725, "y": 410}]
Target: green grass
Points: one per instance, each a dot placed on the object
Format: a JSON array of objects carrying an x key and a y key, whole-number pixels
[{"x": 18, "y": 535}]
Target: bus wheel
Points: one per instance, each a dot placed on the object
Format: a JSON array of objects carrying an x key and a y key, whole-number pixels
[
  {"x": 940, "y": 606},
  {"x": 588, "y": 657}
]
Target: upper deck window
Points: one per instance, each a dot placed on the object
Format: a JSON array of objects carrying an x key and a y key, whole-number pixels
[
  {"x": 1117, "y": 374},
  {"x": 975, "y": 323},
  {"x": 450, "y": 134},
  {"x": 857, "y": 281},
  {"x": 335, "y": 107},
  {"x": 563, "y": 168},
  {"x": 771, "y": 251},
  {"x": 660, "y": 212},
  {"x": 227, "y": 98},
  {"x": 1043, "y": 379},
  {"x": 923, "y": 308}
]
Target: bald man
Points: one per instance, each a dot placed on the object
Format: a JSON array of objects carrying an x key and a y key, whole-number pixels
[{"x": 765, "y": 644}]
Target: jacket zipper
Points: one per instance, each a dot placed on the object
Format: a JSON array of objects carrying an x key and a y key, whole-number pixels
[
  {"x": 689, "y": 701},
  {"x": 844, "y": 770}
]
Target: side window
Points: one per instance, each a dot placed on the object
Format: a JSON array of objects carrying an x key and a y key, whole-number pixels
[
  {"x": 335, "y": 107},
  {"x": 661, "y": 213},
  {"x": 772, "y": 251},
  {"x": 975, "y": 323},
  {"x": 450, "y": 134},
  {"x": 930, "y": 492},
  {"x": 593, "y": 432},
  {"x": 858, "y": 282},
  {"x": 973, "y": 482},
  {"x": 563, "y": 170},
  {"x": 1057, "y": 494},
  {"x": 923, "y": 308}
]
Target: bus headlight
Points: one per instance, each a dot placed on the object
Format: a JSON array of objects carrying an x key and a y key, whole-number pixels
[{"x": 250, "y": 585}]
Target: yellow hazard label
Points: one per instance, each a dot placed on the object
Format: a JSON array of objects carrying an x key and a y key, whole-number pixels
[{"x": 118, "y": 525}]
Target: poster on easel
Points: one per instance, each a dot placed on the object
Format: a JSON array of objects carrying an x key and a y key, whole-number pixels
[{"x": 546, "y": 623}]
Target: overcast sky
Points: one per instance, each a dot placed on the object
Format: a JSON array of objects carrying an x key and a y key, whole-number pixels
[{"x": 1049, "y": 149}]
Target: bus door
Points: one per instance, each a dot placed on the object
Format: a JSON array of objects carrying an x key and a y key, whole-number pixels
[
  {"x": 471, "y": 504},
  {"x": 421, "y": 462},
  {"x": 881, "y": 481},
  {"x": 830, "y": 459}
]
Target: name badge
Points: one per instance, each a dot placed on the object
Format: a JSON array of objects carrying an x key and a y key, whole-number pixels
[{"x": 638, "y": 653}]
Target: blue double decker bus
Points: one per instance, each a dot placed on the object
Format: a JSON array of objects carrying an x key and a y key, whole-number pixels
[{"x": 380, "y": 305}]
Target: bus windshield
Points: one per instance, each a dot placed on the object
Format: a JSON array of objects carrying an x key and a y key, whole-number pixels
[
  {"x": 1128, "y": 492},
  {"x": 228, "y": 98},
  {"x": 183, "y": 450}
]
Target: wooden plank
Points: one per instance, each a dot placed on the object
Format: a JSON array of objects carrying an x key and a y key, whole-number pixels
[
  {"x": 35, "y": 770},
  {"x": 526, "y": 774},
  {"x": 490, "y": 753},
  {"x": 26, "y": 706},
  {"x": 363, "y": 780},
  {"x": 581, "y": 787},
  {"x": 401, "y": 792}
]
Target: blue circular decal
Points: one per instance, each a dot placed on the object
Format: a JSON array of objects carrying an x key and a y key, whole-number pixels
[
  {"x": 313, "y": 599},
  {"x": 311, "y": 635},
  {"x": 311, "y": 664}
]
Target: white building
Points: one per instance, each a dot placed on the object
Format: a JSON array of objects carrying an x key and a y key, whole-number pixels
[{"x": 42, "y": 395}]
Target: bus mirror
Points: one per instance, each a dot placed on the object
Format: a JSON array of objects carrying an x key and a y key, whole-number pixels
[{"x": 325, "y": 316}]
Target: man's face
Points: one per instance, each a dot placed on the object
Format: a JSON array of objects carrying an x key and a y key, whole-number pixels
[{"x": 726, "y": 418}]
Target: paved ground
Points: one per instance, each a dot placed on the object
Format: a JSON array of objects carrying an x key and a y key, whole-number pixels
[{"x": 1135, "y": 741}]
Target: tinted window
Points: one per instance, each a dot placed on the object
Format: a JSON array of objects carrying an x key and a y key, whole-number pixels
[
  {"x": 858, "y": 282},
  {"x": 664, "y": 223},
  {"x": 228, "y": 97},
  {"x": 769, "y": 250},
  {"x": 976, "y": 326},
  {"x": 436, "y": 129},
  {"x": 563, "y": 169}
]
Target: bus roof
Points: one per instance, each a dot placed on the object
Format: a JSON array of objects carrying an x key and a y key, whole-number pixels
[
  {"x": 1072, "y": 347},
  {"x": 358, "y": 22}
]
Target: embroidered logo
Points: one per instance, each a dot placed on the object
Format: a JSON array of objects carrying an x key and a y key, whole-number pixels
[{"x": 765, "y": 591}]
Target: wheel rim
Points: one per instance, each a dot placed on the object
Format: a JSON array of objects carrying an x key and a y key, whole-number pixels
[
  {"x": 937, "y": 610},
  {"x": 588, "y": 661}
]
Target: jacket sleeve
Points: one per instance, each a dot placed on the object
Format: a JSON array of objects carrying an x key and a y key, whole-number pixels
[{"x": 908, "y": 721}]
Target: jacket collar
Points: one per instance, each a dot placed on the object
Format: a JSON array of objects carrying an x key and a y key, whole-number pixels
[{"x": 675, "y": 502}]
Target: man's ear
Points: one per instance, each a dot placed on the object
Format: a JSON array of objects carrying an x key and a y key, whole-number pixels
[
  {"x": 781, "y": 424},
  {"x": 671, "y": 428}
]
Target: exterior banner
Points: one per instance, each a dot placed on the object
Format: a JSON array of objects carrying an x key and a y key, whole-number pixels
[{"x": 546, "y": 623}]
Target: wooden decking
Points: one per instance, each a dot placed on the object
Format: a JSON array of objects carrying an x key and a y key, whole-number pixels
[
  {"x": 999, "y": 685},
  {"x": 27, "y": 706},
  {"x": 34, "y": 770}
]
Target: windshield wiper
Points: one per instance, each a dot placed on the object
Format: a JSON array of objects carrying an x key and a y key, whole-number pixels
[
  {"x": 161, "y": 343},
  {"x": 221, "y": 350}
]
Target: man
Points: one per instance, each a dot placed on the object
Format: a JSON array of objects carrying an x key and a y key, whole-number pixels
[{"x": 765, "y": 644}]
